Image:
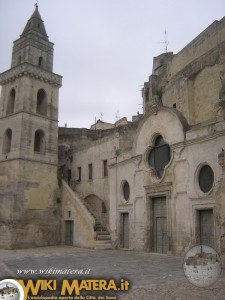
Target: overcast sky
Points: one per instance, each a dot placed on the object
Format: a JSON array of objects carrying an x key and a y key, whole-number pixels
[{"x": 104, "y": 48}]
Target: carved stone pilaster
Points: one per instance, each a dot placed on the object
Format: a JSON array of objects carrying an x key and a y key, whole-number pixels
[{"x": 221, "y": 159}]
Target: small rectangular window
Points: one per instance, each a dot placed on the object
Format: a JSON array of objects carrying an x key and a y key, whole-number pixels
[
  {"x": 105, "y": 168},
  {"x": 90, "y": 172},
  {"x": 69, "y": 175},
  {"x": 79, "y": 173}
]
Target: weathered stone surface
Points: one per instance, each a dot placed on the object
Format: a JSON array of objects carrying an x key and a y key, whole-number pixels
[
  {"x": 187, "y": 113},
  {"x": 30, "y": 215},
  {"x": 183, "y": 108}
]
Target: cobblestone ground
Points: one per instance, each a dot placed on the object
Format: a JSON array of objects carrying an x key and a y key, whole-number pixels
[
  {"x": 177, "y": 291},
  {"x": 152, "y": 276}
]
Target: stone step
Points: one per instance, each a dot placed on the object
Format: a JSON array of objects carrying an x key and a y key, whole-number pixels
[
  {"x": 98, "y": 224},
  {"x": 103, "y": 245},
  {"x": 104, "y": 242},
  {"x": 103, "y": 237},
  {"x": 103, "y": 232},
  {"x": 99, "y": 228},
  {"x": 98, "y": 221}
]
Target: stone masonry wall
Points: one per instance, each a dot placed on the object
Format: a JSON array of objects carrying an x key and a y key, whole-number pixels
[
  {"x": 210, "y": 38},
  {"x": 30, "y": 214}
]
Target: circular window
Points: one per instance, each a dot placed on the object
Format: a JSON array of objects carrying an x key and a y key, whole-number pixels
[
  {"x": 126, "y": 190},
  {"x": 206, "y": 178}
]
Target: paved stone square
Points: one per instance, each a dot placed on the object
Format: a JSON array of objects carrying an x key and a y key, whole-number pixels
[{"x": 152, "y": 276}]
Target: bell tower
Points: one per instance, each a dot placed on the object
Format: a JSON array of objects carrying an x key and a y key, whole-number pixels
[{"x": 29, "y": 208}]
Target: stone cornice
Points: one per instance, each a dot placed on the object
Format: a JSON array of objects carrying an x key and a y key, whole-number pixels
[
  {"x": 125, "y": 161},
  {"x": 28, "y": 113},
  {"x": 163, "y": 187},
  {"x": 30, "y": 70},
  {"x": 28, "y": 159},
  {"x": 205, "y": 138}
]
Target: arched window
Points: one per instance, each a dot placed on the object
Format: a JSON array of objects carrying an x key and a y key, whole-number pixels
[
  {"x": 39, "y": 141},
  {"x": 159, "y": 156},
  {"x": 41, "y": 102},
  {"x": 7, "y": 140},
  {"x": 11, "y": 102},
  {"x": 40, "y": 61}
]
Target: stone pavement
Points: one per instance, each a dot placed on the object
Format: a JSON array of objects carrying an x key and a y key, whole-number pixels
[{"x": 152, "y": 276}]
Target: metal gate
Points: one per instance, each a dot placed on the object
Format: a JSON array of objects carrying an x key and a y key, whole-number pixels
[
  {"x": 160, "y": 237},
  {"x": 125, "y": 230},
  {"x": 69, "y": 233},
  {"x": 206, "y": 227}
]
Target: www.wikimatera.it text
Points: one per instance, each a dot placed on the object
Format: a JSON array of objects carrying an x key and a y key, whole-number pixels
[{"x": 54, "y": 271}]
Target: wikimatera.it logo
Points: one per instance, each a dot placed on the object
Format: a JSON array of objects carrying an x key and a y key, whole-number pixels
[{"x": 53, "y": 289}]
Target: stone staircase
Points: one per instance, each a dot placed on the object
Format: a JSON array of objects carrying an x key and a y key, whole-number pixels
[
  {"x": 103, "y": 239},
  {"x": 97, "y": 236}
]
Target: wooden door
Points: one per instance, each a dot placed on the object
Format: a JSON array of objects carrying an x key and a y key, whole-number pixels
[
  {"x": 206, "y": 227},
  {"x": 160, "y": 236},
  {"x": 69, "y": 232},
  {"x": 125, "y": 230}
]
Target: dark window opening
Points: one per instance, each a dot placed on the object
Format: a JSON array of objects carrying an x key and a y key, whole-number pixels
[
  {"x": 206, "y": 178},
  {"x": 104, "y": 211},
  {"x": 90, "y": 172},
  {"x": 19, "y": 60},
  {"x": 146, "y": 95},
  {"x": 41, "y": 102},
  {"x": 79, "y": 173},
  {"x": 160, "y": 156},
  {"x": 105, "y": 168},
  {"x": 39, "y": 141},
  {"x": 7, "y": 141},
  {"x": 11, "y": 102},
  {"x": 174, "y": 105},
  {"x": 69, "y": 175},
  {"x": 40, "y": 61},
  {"x": 126, "y": 190}
]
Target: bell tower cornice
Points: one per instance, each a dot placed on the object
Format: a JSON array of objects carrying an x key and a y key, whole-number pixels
[
  {"x": 33, "y": 40},
  {"x": 27, "y": 69}
]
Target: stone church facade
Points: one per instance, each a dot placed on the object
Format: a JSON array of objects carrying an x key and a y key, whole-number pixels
[{"x": 154, "y": 184}]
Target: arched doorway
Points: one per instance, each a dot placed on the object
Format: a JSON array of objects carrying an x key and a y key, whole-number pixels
[{"x": 98, "y": 208}]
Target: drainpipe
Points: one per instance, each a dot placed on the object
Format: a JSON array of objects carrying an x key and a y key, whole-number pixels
[{"x": 116, "y": 196}]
